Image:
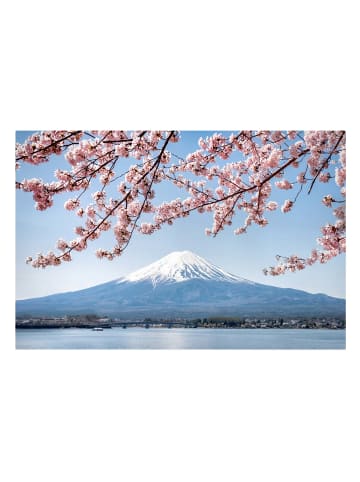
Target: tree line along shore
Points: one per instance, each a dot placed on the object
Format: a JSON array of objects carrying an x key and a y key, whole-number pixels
[{"x": 93, "y": 321}]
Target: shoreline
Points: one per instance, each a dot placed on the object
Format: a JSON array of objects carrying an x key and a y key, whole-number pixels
[
  {"x": 94, "y": 322},
  {"x": 58, "y": 327}
]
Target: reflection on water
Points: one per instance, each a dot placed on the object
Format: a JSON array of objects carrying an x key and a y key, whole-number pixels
[{"x": 179, "y": 338}]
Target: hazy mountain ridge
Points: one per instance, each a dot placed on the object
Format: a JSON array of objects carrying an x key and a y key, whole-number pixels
[{"x": 183, "y": 284}]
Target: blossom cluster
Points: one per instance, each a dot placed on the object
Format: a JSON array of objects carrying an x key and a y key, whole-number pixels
[
  {"x": 226, "y": 175},
  {"x": 39, "y": 147}
]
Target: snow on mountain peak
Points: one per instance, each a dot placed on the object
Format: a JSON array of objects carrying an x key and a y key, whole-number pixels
[{"x": 180, "y": 266}]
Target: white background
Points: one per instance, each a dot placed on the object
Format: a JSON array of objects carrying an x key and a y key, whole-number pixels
[{"x": 186, "y": 415}]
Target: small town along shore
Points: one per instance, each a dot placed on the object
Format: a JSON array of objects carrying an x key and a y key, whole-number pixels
[{"x": 92, "y": 321}]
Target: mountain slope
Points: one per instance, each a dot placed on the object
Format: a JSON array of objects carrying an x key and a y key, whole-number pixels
[
  {"x": 180, "y": 266},
  {"x": 183, "y": 284}
]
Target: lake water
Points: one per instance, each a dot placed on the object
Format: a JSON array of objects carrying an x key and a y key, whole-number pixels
[{"x": 178, "y": 338}]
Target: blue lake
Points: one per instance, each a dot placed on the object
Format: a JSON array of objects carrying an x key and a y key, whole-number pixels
[{"x": 179, "y": 338}]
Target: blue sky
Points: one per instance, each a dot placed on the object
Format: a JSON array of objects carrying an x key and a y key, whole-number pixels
[{"x": 245, "y": 255}]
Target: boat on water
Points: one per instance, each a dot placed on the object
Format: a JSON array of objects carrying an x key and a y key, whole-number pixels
[{"x": 97, "y": 328}]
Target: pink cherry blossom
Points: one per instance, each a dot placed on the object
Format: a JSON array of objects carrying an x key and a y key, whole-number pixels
[
  {"x": 324, "y": 177},
  {"x": 62, "y": 245},
  {"x": 301, "y": 178},
  {"x": 284, "y": 184},
  {"x": 340, "y": 176},
  {"x": 228, "y": 174},
  {"x": 272, "y": 205},
  {"x": 71, "y": 204},
  {"x": 327, "y": 200},
  {"x": 286, "y": 207}
]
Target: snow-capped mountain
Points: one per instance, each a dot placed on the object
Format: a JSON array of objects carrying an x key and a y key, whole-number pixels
[
  {"x": 182, "y": 284},
  {"x": 178, "y": 267}
]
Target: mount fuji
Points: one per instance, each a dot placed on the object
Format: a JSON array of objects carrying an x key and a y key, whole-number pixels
[{"x": 182, "y": 284}]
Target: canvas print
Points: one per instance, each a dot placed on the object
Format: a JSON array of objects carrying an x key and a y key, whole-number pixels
[{"x": 172, "y": 239}]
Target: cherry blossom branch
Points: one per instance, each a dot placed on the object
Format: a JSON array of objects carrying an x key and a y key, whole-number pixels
[
  {"x": 103, "y": 224},
  {"x": 245, "y": 183},
  {"x": 51, "y": 145},
  {"x": 325, "y": 162},
  {"x": 156, "y": 164}
]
